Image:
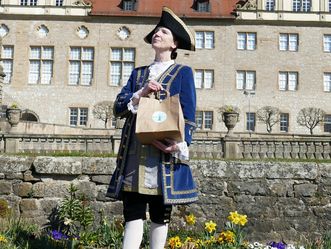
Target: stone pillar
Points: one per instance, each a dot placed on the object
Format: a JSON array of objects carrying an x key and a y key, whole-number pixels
[
  {"x": 117, "y": 135},
  {"x": 11, "y": 144},
  {"x": 2, "y": 75},
  {"x": 231, "y": 148}
]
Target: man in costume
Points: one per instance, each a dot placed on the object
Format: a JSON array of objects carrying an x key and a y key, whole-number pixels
[{"x": 155, "y": 174}]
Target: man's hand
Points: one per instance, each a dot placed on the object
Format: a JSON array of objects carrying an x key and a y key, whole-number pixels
[
  {"x": 167, "y": 146},
  {"x": 150, "y": 87}
]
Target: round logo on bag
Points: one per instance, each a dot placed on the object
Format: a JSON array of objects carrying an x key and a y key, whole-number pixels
[{"x": 159, "y": 117}]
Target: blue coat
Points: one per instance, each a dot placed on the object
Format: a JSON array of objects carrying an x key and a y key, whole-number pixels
[{"x": 177, "y": 184}]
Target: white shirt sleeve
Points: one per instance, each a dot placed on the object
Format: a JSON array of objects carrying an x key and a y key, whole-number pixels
[
  {"x": 183, "y": 152},
  {"x": 131, "y": 107}
]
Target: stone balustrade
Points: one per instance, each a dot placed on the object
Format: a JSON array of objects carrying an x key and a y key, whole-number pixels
[{"x": 202, "y": 146}]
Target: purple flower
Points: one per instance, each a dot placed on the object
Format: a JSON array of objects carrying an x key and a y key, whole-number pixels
[
  {"x": 279, "y": 245},
  {"x": 57, "y": 235}
]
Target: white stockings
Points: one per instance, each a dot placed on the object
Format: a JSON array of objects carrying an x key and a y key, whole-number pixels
[
  {"x": 158, "y": 235},
  {"x": 133, "y": 235}
]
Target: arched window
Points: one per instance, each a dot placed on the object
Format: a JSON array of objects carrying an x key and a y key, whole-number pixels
[{"x": 28, "y": 115}]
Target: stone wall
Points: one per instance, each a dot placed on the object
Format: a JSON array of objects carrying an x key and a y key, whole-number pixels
[{"x": 282, "y": 200}]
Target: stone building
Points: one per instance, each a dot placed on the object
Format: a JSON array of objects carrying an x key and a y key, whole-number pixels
[{"x": 62, "y": 57}]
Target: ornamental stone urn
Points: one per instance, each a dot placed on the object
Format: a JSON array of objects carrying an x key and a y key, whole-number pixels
[
  {"x": 13, "y": 115},
  {"x": 230, "y": 120}
]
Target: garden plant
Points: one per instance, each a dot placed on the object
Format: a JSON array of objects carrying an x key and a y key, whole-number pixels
[{"x": 73, "y": 226}]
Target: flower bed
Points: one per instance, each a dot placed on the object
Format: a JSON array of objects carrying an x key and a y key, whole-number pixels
[{"x": 72, "y": 229}]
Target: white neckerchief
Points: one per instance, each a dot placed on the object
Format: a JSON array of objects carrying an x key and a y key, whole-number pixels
[{"x": 157, "y": 68}]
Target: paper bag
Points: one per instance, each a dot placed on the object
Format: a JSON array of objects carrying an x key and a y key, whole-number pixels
[{"x": 160, "y": 119}]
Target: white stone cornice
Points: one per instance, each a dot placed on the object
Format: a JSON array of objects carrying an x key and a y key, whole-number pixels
[
  {"x": 46, "y": 10},
  {"x": 285, "y": 16}
]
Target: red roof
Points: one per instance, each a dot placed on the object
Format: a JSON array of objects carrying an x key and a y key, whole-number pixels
[{"x": 218, "y": 8}]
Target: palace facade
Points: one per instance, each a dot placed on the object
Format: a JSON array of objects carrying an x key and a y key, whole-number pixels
[{"x": 61, "y": 58}]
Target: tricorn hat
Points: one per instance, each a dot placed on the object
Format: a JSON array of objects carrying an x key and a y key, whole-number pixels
[{"x": 178, "y": 28}]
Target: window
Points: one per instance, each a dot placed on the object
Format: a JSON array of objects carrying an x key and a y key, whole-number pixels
[
  {"x": 204, "y": 39},
  {"x": 327, "y": 43},
  {"x": 204, "y": 78},
  {"x": 327, "y": 82},
  {"x": 128, "y": 5},
  {"x": 270, "y": 5},
  {"x": 327, "y": 123},
  {"x": 301, "y": 5},
  {"x": 250, "y": 121},
  {"x": 78, "y": 116},
  {"x": 58, "y": 2},
  {"x": 41, "y": 65},
  {"x": 29, "y": 2},
  {"x": 113, "y": 122},
  {"x": 203, "y": 6},
  {"x": 296, "y": 5},
  {"x": 7, "y": 62},
  {"x": 245, "y": 80},
  {"x": 246, "y": 41},
  {"x": 306, "y": 5},
  {"x": 329, "y": 5},
  {"x": 288, "y": 42},
  {"x": 121, "y": 64},
  {"x": 204, "y": 120},
  {"x": 288, "y": 81},
  {"x": 284, "y": 122},
  {"x": 81, "y": 66}
]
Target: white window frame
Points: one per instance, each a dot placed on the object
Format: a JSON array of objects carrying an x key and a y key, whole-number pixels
[
  {"x": 270, "y": 5},
  {"x": 245, "y": 80},
  {"x": 288, "y": 42},
  {"x": 7, "y": 62},
  {"x": 124, "y": 63},
  {"x": 204, "y": 120},
  {"x": 81, "y": 69},
  {"x": 306, "y": 5},
  {"x": 59, "y": 2},
  {"x": 327, "y": 43},
  {"x": 81, "y": 118},
  {"x": 327, "y": 123},
  {"x": 284, "y": 122},
  {"x": 288, "y": 81},
  {"x": 250, "y": 121},
  {"x": 246, "y": 40},
  {"x": 327, "y": 82},
  {"x": 44, "y": 73},
  {"x": 29, "y": 2},
  {"x": 301, "y": 5},
  {"x": 203, "y": 6},
  {"x": 129, "y": 5},
  {"x": 203, "y": 81},
  {"x": 207, "y": 39}
]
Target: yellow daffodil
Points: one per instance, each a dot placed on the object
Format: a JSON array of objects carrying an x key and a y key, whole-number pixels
[
  {"x": 210, "y": 226},
  {"x": 198, "y": 243},
  {"x": 3, "y": 239},
  {"x": 174, "y": 242},
  {"x": 226, "y": 237},
  {"x": 190, "y": 219},
  {"x": 188, "y": 239},
  {"x": 178, "y": 244},
  {"x": 243, "y": 220},
  {"x": 237, "y": 219}
]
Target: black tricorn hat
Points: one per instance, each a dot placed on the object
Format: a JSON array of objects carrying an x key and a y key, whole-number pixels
[{"x": 178, "y": 28}]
